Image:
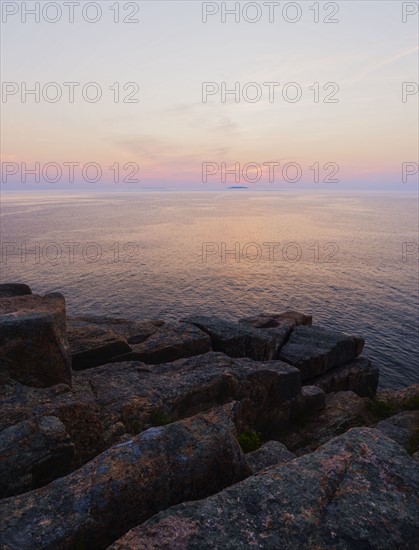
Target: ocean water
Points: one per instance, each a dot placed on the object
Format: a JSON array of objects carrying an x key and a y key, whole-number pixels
[{"x": 350, "y": 260}]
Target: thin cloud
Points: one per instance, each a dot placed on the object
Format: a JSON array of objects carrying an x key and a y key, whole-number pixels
[{"x": 385, "y": 62}]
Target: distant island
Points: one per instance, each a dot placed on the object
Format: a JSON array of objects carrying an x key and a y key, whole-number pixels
[{"x": 237, "y": 187}]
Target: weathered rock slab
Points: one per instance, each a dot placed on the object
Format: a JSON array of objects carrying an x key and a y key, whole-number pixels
[
  {"x": 360, "y": 490},
  {"x": 316, "y": 350},
  {"x": 170, "y": 342},
  {"x": 133, "y": 331},
  {"x": 359, "y": 376},
  {"x": 275, "y": 320},
  {"x": 240, "y": 339},
  {"x": 96, "y": 340},
  {"x": 33, "y": 342},
  {"x": 93, "y": 345},
  {"x": 127, "y": 484}
]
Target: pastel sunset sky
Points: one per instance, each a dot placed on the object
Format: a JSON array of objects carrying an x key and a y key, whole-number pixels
[{"x": 170, "y": 132}]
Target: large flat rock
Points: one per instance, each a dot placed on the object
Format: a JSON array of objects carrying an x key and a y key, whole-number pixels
[
  {"x": 170, "y": 342},
  {"x": 360, "y": 490},
  {"x": 33, "y": 341},
  {"x": 241, "y": 339},
  {"x": 127, "y": 484},
  {"x": 93, "y": 345},
  {"x": 316, "y": 350},
  {"x": 358, "y": 375},
  {"x": 133, "y": 331},
  {"x": 96, "y": 341},
  {"x": 277, "y": 320}
]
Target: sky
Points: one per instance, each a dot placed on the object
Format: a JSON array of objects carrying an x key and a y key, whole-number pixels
[{"x": 359, "y": 132}]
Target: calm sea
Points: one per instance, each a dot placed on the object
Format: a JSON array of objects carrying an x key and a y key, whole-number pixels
[{"x": 350, "y": 260}]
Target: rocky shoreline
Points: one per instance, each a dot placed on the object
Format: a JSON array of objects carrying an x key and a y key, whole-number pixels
[{"x": 201, "y": 433}]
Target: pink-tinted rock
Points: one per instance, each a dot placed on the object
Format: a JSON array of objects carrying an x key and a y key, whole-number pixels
[
  {"x": 96, "y": 340},
  {"x": 360, "y": 490},
  {"x": 108, "y": 401},
  {"x": 170, "y": 342},
  {"x": 127, "y": 484},
  {"x": 93, "y": 345}
]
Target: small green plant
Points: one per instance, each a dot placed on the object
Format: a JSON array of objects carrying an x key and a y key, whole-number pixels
[
  {"x": 381, "y": 409},
  {"x": 159, "y": 418},
  {"x": 249, "y": 441}
]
